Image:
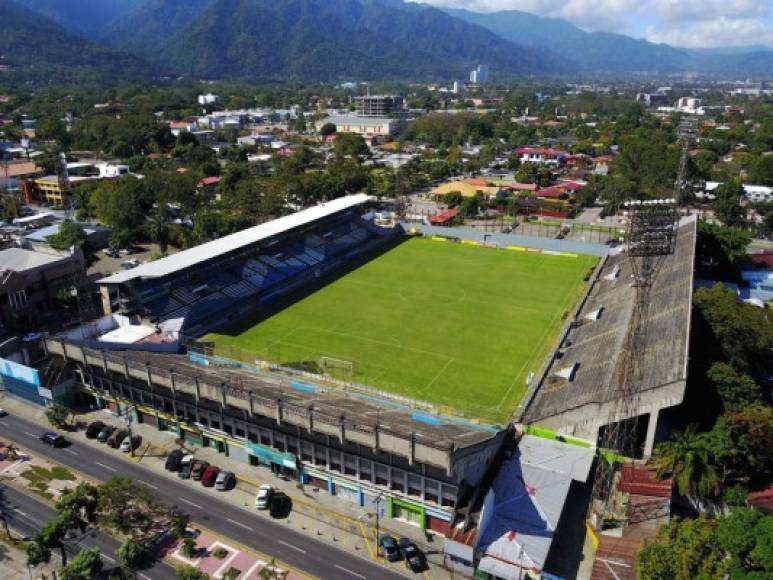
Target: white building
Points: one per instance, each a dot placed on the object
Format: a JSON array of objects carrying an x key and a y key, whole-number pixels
[
  {"x": 480, "y": 75},
  {"x": 208, "y": 99},
  {"x": 754, "y": 193},
  {"x": 365, "y": 126}
]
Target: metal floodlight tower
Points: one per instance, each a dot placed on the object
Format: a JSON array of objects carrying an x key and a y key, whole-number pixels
[{"x": 650, "y": 237}]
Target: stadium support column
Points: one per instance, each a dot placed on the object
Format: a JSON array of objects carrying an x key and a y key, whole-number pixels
[{"x": 652, "y": 425}]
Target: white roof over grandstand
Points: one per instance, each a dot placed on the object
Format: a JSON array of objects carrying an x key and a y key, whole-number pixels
[{"x": 222, "y": 246}]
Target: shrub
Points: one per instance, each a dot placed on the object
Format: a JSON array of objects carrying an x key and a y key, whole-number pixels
[{"x": 220, "y": 553}]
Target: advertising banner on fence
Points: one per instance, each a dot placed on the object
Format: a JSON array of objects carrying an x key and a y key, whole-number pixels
[{"x": 19, "y": 372}]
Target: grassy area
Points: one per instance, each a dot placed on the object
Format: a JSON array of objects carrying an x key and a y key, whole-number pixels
[
  {"x": 453, "y": 324},
  {"x": 39, "y": 478}
]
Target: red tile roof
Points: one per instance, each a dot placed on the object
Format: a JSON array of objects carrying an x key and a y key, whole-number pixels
[
  {"x": 641, "y": 480},
  {"x": 205, "y": 181},
  {"x": 762, "y": 500},
  {"x": 444, "y": 216}
]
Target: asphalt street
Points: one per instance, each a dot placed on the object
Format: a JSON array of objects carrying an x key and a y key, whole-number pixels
[
  {"x": 263, "y": 535},
  {"x": 26, "y": 515}
]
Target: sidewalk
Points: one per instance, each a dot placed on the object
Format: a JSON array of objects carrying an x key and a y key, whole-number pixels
[{"x": 314, "y": 512}]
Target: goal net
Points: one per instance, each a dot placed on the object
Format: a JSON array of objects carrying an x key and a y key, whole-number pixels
[{"x": 337, "y": 368}]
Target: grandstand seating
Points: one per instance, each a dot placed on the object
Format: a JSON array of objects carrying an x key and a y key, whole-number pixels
[{"x": 259, "y": 276}]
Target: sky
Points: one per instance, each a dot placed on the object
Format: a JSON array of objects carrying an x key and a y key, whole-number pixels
[{"x": 688, "y": 23}]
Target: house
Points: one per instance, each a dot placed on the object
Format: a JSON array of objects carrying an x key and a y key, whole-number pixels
[
  {"x": 178, "y": 127},
  {"x": 754, "y": 193},
  {"x": 444, "y": 218},
  {"x": 542, "y": 155},
  {"x": 468, "y": 188},
  {"x": 208, "y": 186}
]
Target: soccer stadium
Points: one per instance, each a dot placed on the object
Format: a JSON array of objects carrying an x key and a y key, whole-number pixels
[{"x": 401, "y": 363}]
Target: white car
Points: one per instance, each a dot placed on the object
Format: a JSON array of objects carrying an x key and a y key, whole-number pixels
[
  {"x": 130, "y": 442},
  {"x": 263, "y": 499},
  {"x": 3, "y": 412}
]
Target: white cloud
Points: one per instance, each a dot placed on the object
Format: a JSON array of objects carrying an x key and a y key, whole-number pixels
[
  {"x": 712, "y": 33},
  {"x": 691, "y": 23}
]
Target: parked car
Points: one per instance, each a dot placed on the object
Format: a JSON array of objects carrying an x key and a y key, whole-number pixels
[
  {"x": 117, "y": 437},
  {"x": 53, "y": 439},
  {"x": 225, "y": 480},
  {"x": 198, "y": 469},
  {"x": 3, "y": 412},
  {"x": 389, "y": 545},
  {"x": 263, "y": 498},
  {"x": 173, "y": 460},
  {"x": 186, "y": 465},
  {"x": 130, "y": 443},
  {"x": 105, "y": 433},
  {"x": 210, "y": 475},
  {"x": 413, "y": 559},
  {"x": 94, "y": 429}
]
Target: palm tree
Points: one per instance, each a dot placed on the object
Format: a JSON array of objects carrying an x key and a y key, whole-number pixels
[{"x": 688, "y": 459}]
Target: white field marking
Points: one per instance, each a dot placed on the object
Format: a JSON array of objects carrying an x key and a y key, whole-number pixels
[
  {"x": 536, "y": 348},
  {"x": 113, "y": 469},
  {"x": 437, "y": 376},
  {"x": 301, "y": 550},
  {"x": 349, "y": 571},
  {"x": 189, "y": 502},
  {"x": 241, "y": 525}
]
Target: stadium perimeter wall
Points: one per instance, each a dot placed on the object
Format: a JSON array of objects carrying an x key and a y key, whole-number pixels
[{"x": 504, "y": 240}]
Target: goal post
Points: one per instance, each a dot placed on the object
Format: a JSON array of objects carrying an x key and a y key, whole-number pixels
[{"x": 337, "y": 368}]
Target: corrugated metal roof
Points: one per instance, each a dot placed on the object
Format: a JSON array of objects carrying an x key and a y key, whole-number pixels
[
  {"x": 19, "y": 260},
  {"x": 222, "y": 246}
]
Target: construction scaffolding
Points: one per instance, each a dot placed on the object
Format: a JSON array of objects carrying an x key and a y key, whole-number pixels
[{"x": 650, "y": 237}]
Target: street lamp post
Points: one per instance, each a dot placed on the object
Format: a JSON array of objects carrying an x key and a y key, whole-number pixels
[{"x": 377, "y": 501}]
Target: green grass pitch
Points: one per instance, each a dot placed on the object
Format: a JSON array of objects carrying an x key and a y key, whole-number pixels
[{"x": 452, "y": 324}]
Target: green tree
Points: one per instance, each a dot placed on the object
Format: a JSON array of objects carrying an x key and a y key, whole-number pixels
[
  {"x": 736, "y": 390},
  {"x": 187, "y": 572},
  {"x": 682, "y": 550},
  {"x": 189, "y": 547},
  {"x": 126, "y": 504},
  {"x": 123, "y": 204},
  {"x": 747, "y": 536},
  {"x": 70, "y": 234},
  {"x": 350, "y": 144},
  {"x": 135, "y": 553},
  {"x": 83, "y": 500},
  {"x": 86, "y": 565},
  {"x": 727, "y": 204},
  {"x": 50, "y": 537},
  {"x": 179, "y": 524},
  {"x": 327, "y": 129},
  {"x": 453, "y": 198},
  {"x": 721, "y": 250},
  {"x": 742, "y": 334},
  {"x": 527, "y": 173},
  {"x": 689, "y": 459},
  {"x": 58, "y": 416},
  {"x": 762, "y": 171}
]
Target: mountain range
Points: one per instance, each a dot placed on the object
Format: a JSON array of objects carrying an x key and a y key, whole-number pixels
[
  {"x": 330, "y": 40},
  {"x": 39, "y": 50}
]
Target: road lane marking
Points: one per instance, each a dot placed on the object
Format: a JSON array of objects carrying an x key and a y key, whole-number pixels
[
  {"x": 245, "y": 526},
  {"x": 113, "y": 469},
  {"x": 144, "y": 577},
  {"x": 108, "y": 557},
  {"x": 28, "y": 434},
  {"x": 70, "y": 451},
  {"x": 301, "y": 550},
  {"x": 349, "y": 571},
  {"x": 146, "y": 484},
  {"x": 191, "y": 503},
  {"x": 26, "y": 516}
]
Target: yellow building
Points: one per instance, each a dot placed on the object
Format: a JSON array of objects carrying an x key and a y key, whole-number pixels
[{"x": 51, "y": 193}]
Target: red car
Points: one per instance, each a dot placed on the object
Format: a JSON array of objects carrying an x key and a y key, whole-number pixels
[{"x": 210, "y": 475}]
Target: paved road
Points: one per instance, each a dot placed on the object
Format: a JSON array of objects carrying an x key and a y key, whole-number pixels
[
  {"x": 263, "y": 535},
  {"x": 26, "y": 515}
]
